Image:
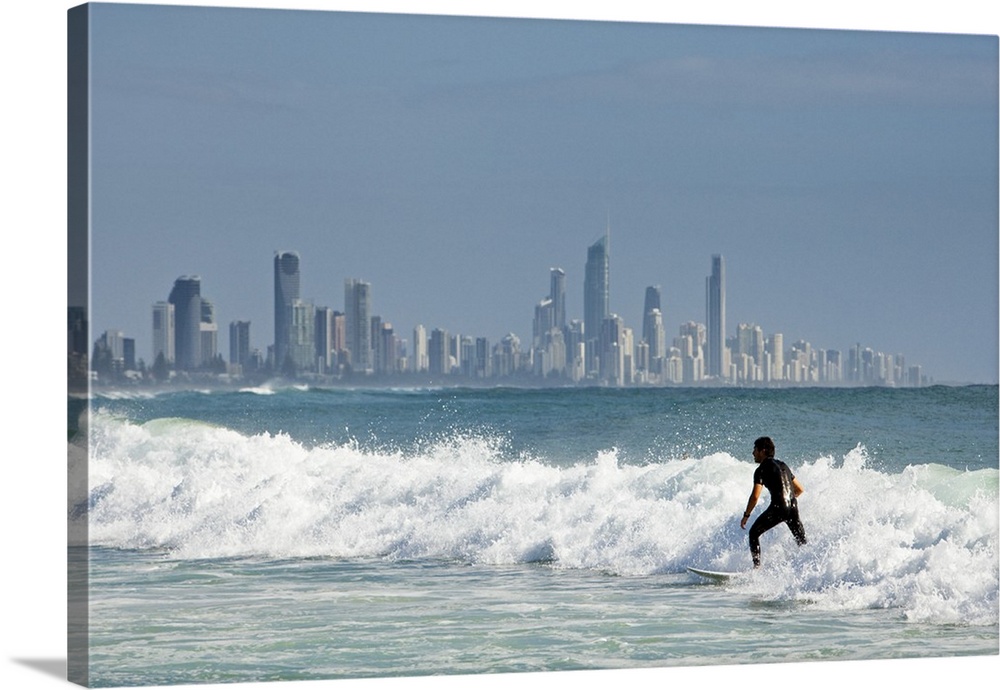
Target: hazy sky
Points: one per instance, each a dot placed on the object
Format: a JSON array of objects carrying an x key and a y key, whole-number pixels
[{"x": 849, "y": 178}]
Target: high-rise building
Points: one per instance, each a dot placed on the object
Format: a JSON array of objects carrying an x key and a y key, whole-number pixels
[
  {"x": 596, "y": 301},
  {"x": 776, "y": 347},
  {"x": 691, "y": 344},
  {"x": 163, "y": 332},
  {"x": 186, "y": 300},
  {"x": 209, "y": 332},
  {"x": 557, "y": 293},
  {"x": 302, "y": 336},
  {"x": 438, "y": 356},
  {"x": 715, "y": 315},
  {"x": 614, "y": 350},
  {"x": 286, "y": 291},
  {"x": 357, "y": 312},
  {"x": 239, "y": 343},
  {"x": 387, "y": 346},
  {"x": 750, "y": 338},
  {"x": 655, "y": 337},
  {"x": 507, "y": 356},
  {"x": 325, "y": 354},
  {"x": 543, "y": 322},
  {"x": 420, "y": 362},
  {"x": 482, "y": 367},
  {"x": 651, "y": 302},
  {"x": 338, "y": 343}
]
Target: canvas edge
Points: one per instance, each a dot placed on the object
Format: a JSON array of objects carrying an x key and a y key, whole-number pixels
[{"x": 78, "y": 338}]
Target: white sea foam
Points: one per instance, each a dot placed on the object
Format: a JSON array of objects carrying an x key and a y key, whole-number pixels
[{"x": 923, "y": 540}]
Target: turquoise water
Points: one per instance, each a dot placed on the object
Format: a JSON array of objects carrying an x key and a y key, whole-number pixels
[{"x": 295, "y": 533}]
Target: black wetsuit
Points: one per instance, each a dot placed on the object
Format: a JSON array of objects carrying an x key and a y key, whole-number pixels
[{"x": 777, "y": 478}]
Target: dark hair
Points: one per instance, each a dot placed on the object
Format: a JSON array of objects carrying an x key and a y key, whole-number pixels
[{"x": 765, "y": 444}]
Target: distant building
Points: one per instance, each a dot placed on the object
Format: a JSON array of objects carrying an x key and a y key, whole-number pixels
[
  {"x": 302, "y": 337},
  {"x": 163, "y": 332},
  {"x": 776, "y": 348},
  {"x": 186, "y": 300},
  {"x": 357, "y": 311},
  {"x": 557, "y": 293},
  {"x": 655, "y": 338},
  {"x": 439, "y": 359},
  {"x": 420, "y": 363},
  {"x": 239, "y": 344},
  {"x": 208, "y": 332},
  {"x": 596, "y": 302},
  {"x": 715, "y": 316},
  {"x": 287, "y": 289},
  {"x": 325, "y": 354},
  {"x": 651, "y": 302}
]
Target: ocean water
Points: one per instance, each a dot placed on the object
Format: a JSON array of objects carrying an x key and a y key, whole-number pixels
[{"x": 283, "y": 533}]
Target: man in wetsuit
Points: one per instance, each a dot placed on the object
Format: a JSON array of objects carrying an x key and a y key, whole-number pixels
[{"x": 783, "y": 487}]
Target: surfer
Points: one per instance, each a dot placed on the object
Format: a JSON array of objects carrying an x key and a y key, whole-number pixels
[{"x": 784, "y": 489}]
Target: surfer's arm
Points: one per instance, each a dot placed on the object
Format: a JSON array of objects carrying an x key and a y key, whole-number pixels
[
  {"x": 754, "y": 496},
  {"x": 797, "y": 488}
]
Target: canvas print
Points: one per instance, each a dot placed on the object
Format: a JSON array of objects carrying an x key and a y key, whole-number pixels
[{"x": 412, "y": 345}]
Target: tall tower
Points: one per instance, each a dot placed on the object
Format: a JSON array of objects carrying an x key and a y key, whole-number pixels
[
  {"x": 208, "y": 333},
  {"x": 163, "y": 332},
  {"x": 357, "y": 310},
  {"x": 420, "y": 363},
  {"x": 239, "y": 343},
  {"x": 715, "y": 309},
  {"x": 651, "y": 302},
  {"x": 557, "y": 293},
  {"x": 186, "y": 298},
  {"x": 324, "y": 338},
  {"x": 595, "y": 301},
  {"x": 655, "y": 337},
  {"x": 437, "y": 352},
  {"x": 302, "y": 336},
  {"x": 286, "y": 292}
]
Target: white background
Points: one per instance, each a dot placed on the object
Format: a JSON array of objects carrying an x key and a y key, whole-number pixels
[{"x": 32, "y": 495}]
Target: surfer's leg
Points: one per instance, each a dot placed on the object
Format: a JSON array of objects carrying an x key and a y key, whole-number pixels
[
  {"x": 795, "y": 525},
  {"x": 768, "y": 519}
]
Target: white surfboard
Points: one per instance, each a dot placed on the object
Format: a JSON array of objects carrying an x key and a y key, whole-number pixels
[{"x": 716, "y": 575}]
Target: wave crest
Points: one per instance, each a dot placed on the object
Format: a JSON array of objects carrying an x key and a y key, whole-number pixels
[{"x": 923, "y": 540}]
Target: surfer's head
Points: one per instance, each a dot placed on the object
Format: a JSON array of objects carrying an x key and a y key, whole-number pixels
[{"x": 765, "y": 444}]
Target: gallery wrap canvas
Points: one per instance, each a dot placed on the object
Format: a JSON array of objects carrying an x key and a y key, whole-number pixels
[{"x": 424, "y": 346}]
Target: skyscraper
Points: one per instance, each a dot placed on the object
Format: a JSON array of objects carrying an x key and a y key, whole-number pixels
[
  {"x": 302, "y": 336},
  {"x": 653, "y": 333},
  {"x": 420, "y": 362},
  {"x": 239, "y": 343},
  {"x": 186, "y": 298},
  {"x": 163, "y": 332},
  {"x": 557, "y": 293},
  {"x": 715, "y": 308},
  {"x": 655, "y": 338},
  {"x": 357, "y": 310},
  {"x": 324, "y": 338},
  {"x": 596, "y": 298},
  {"x": 437, "y": 352},
  {"x": 651, "y": 302},
  {"x": 208, "y": 333},
  {"x": 543, "y": 322},
  {"x": 286, "y": 292}
]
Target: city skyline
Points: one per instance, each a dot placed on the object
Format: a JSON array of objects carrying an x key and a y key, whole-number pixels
[
  {"x": 451, "y": 173},
  {"x": 318, "y": 339}
]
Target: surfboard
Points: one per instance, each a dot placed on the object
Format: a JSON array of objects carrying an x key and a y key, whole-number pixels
[{"x": 716, "y": 575}]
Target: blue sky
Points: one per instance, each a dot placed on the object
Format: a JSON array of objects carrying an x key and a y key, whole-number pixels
[{"x": 849, "y": 178}]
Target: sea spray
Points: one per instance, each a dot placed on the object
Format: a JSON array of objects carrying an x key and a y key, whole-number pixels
[{"x": 923, "y": 540}]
